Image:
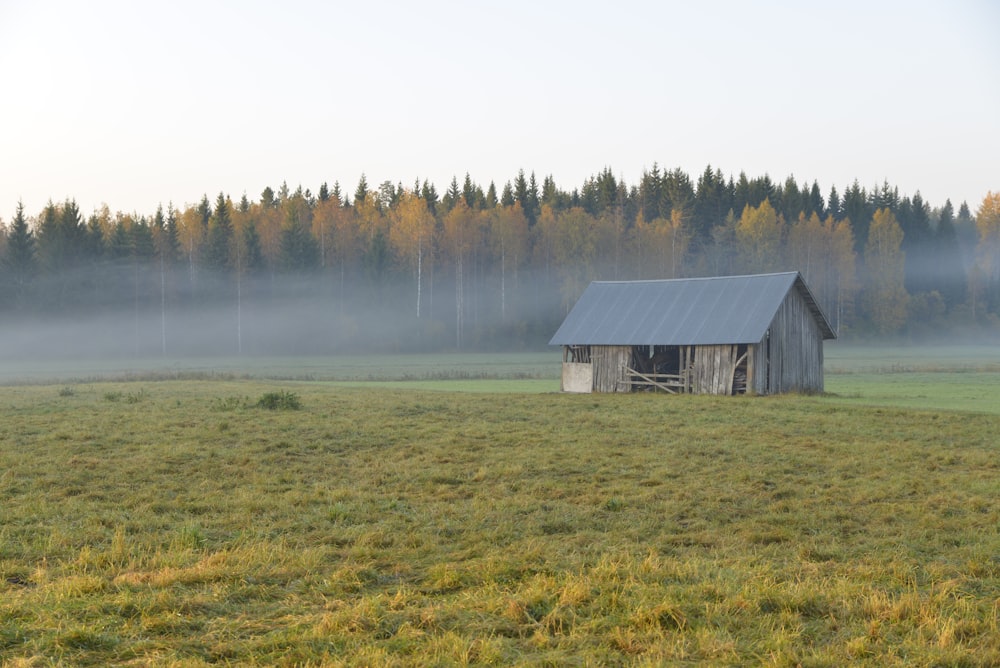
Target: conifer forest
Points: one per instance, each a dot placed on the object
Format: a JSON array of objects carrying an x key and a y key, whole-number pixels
[{"x": 399, "y": 268}]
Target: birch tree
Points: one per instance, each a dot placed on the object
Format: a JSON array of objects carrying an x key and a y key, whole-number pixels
[
  {"x": 670, "y": 241},
  {"x": 758, "y": 238},
  {"x": 410, "y": 235},
  {"x": 988, "y": 249},
  {"x": 510, "y": 242},
  {"x": 885, "y": 298},
  {"x": 457, "y": 238}
]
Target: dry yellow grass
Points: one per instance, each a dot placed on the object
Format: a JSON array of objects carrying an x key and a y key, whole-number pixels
[{"x": 178, "y": 523}]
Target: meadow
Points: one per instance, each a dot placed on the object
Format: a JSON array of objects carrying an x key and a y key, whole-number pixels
[{"x": 201, "y": 517}]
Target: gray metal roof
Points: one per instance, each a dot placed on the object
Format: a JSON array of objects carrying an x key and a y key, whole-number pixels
[{"x": 688, "y": 311}]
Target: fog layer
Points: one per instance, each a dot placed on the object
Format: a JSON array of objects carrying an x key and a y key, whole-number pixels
[{"x": 289, "y": 317}]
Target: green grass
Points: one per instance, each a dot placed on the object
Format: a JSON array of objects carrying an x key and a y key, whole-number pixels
[
  {"x": 426, "y": 367},
  {"x": 921, "y": 377},
  {"x": 854, "y": 358},
  {"x": 962, "y": 391},
  {"x": 487, "y": 385},
  {"x": 178, "y": 523}
]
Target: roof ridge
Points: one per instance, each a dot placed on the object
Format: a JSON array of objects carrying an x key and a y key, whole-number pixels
[{"x": 702, "y": 278}]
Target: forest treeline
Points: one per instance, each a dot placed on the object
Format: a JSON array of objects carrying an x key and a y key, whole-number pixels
[{"x": 408, "y": 268}]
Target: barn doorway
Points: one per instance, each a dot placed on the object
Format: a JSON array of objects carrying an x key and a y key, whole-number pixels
[{"x": 658, "y": 368}]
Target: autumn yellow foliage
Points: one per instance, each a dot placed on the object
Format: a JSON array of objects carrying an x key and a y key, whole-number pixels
[{"x": 885, "y": 295}]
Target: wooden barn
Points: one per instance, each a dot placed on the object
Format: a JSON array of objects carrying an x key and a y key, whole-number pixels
[{"x": 760, "y": 334}]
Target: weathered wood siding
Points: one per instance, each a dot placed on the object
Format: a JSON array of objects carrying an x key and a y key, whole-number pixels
[
  {"x": 794, "y": 350},
  {"x": 713, "y": 369},
  {"x": 757, "y": 368},
  {"x": 610, "y": 364}
]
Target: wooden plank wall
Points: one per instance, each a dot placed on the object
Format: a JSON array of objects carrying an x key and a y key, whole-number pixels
[
  {"x": 796, "y": 349},
  {"x": 713, "y": 369},
  {"x": 610, "y": 363},
  {"x": 758, "y": 369}
]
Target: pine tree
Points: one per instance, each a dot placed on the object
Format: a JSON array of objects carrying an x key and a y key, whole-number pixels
[
  {"x": 522, "y": 197},
  {"x": 19, "y": 262},
  {"x": 761, "y": 188},
  {"x": 534, "y": 199},
  {"x": 452, "y": 196},
  {"x": 590, "y": 197},
  {"x": 362, "y": 190},
  {"x": 815, "y": 203},
  {"x": 741, "y": 193},
  {"x": 605, "y": 190},
  {"x": 678, "y": 194},
  {"x": 61, "y": 245},
  {"x": 790, "y": 202},
  {"x": 267, "y": 199},
  {"x": 918, "y": 241},
  {"x": 337, "y": 195},
  {"x": 507, "y": 195},
  {"x": 885, "y": 197},
  {"x": 205, "y": 212},
  {"x": 429, "y": 194},
  {"x": 95, "y": 241},
  {"x": 650, "y": 194},
  {"x": 469, "y": 191},
  {"x": 299, "y": 250},
  {"x": 965, "y": 230},
  {"x": 855, "y": 207},
  {"x": 218, "y": 253},
  {"x": 143, "y": 247},
  {"x": 549, "y": 191},
  {"x": 709, "y": 208},
  {"x": 171, "y": 247},
  {"x": 119, "y": 243},
  {"x": 833, "y": 204},
  {"x": 950, "y": 277},
  {"x": 252, "y": 259}
]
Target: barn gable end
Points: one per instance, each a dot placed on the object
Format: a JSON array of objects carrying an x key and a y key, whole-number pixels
[
  {"x": 729, "y": 335},
  {"x": 796, "y": 349}
]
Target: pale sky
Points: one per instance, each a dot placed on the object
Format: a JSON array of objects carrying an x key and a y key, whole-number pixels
[{"x": 134, "y": 104}]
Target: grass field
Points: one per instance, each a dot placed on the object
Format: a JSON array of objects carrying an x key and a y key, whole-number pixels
[
  {"x": 961, "y": 378},
  {"x": 181, "y": 522},
  {"x": 347, "y": 368}
]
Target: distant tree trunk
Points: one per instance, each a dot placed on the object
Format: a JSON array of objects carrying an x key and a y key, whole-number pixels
[
  {"x": 420, "y": 259},
  {"x": 135, "y": 266},
  {"x": 503, "y": 283},
  {"x": 163, "y": 308},
  {"x": 239, "y": 302},
  {"x": 459, "y": 303},
  {"x": 341, "y": 291}
]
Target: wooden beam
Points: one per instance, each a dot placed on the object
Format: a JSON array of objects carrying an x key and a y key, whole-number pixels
[{"x": 665, "y": 381}]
